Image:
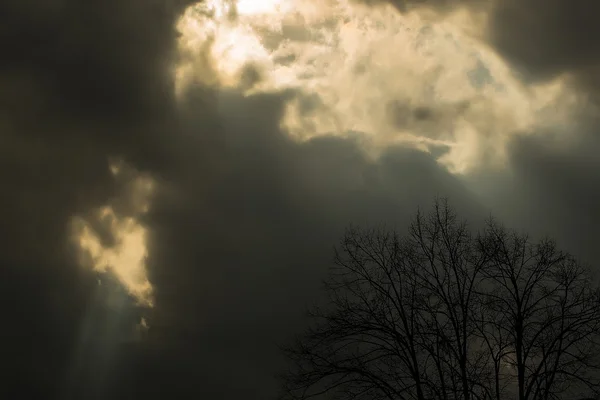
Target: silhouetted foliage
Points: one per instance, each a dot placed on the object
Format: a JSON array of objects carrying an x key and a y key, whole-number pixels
[{"x": 443, "y": 313}]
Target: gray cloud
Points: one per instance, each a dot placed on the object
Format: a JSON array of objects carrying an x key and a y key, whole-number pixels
[{"x": 551, "y": 188}]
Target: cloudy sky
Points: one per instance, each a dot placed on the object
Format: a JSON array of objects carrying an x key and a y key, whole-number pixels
[{"x": 175, "y": 173}]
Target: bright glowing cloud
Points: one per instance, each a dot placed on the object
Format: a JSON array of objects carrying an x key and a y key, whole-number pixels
[
  {"x": 397, "y": 78},
  {"x": 253, "y": 7},
  {"x": 125, "y": 257}
]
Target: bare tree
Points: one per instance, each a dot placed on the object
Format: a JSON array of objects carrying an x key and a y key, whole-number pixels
[
  {"x": 441, "y": 313},
  {"x": 543, "y": 316}
]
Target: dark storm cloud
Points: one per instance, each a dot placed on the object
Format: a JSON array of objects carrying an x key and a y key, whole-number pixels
[
  {"x": 546, "y": 38},
  {"x": 246, "y": 230},
  {"x": 81, "y": 81},
  {"x": 551, "y": 187}
]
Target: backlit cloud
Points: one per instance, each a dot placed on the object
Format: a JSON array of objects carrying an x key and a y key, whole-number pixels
[{"x": 395, "y": 77}]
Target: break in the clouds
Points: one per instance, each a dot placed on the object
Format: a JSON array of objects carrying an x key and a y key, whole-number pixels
[{"x": 175, "y": 173}]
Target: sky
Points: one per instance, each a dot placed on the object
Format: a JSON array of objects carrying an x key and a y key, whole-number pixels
[{"x": 176, "y": 173}]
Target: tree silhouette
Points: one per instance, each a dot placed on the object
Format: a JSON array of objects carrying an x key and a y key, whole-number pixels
[{"x": 442, "y": 313}]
